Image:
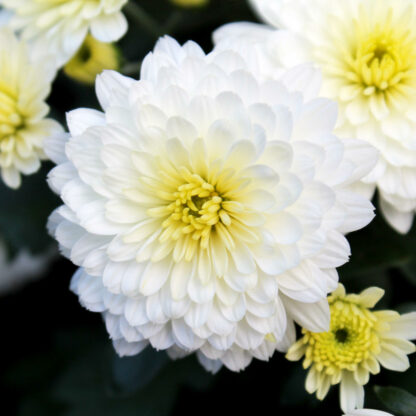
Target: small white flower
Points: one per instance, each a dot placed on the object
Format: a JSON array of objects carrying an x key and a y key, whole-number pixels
[
  {"x": 206, "y": 207},
  {"x": 366, "y": 50},
  {"x": 25, "y": 83},
  {"x": 367, "y": 412},
  {"x": 61, "y": 26}
]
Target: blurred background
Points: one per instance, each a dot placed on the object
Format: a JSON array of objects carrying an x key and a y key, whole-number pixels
[{"x": 56, "y": 357}]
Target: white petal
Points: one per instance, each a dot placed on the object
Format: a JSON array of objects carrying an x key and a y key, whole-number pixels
[{"x": 109, "y": 28}]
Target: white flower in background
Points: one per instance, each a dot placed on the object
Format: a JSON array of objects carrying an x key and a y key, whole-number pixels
[
  {"x": 366, "y": 50},
  {"x": 205, "y": 207},
  {"x": 62, "y": 25},
  {"x": 367, "y": 412},
  {"x": 359, "y": 342},
  {"x": 25, "y": 83},
  {"x": 23, "y": 268}
]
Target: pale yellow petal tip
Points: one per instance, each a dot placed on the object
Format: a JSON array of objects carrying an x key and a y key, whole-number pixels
[
  {"x": 270, "y": 337},
  {"x": 91, "y": 59},
  {"x": 296, "y": 351},
  {"x": 371, "y": 296},
  {"x": 339, "y": 292},
  {"x": 190, "y": 3}
]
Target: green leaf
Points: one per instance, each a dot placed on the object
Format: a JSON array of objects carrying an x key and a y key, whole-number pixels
[{"x": 399, "y": 401}]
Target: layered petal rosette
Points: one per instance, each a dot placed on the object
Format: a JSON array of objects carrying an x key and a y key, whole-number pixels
[
  {"x": 366, "y": 50},
  {"x": 206, "y": 207},
  {"x": 60, "y": 26}
]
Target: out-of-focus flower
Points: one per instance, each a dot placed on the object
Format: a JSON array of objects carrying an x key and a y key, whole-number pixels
[
  {"x": 359, "y": 340},
  {"x": 61, "y": 26},
  {"x": 21, "y": 269},
  {"x": 367, "y": 412},
  {"x": 190, "y": 3},
  {"x": 366, "y": 50},
  {"x": 91, "y": 59},
  {"x": 25, "y": 82},
  {"x": 206, "y": 207}
]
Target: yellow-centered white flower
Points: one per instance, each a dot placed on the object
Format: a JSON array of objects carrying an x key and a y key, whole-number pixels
[
  {"x": 25, "y": 83},
  {"x": 60, "y": 26},
  {"x": 366, "y": 50},
  {"x": 357, "y": 344},
  {"x": 207, "y": 207}
]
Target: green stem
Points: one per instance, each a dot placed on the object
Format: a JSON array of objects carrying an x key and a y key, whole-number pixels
[
  {"x": 173, "y": 22},
  {"x": 143, "y": 19}
]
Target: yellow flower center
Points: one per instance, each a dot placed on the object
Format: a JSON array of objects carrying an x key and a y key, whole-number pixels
[
  {"x": 199, "y": 210},
  {"x": 374, "y": 52},
  {"x": 197, "y": 207},
  {"x": 350, "y": 340},
  {"x": 384, "y": 59},
  {"x": 11, "y": 119}
]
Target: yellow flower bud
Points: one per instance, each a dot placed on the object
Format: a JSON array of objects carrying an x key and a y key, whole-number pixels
[
  {"x": 190, "y": 3},
  {"x": 91, "y": 59}
]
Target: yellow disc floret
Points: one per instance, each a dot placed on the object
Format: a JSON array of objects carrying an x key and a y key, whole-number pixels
[
  {"x": 385, "y": 55},
  {"x": 195, "y": 208},
  {"x": 349, "y": 342},
  {"x": 372, "y": 55}
]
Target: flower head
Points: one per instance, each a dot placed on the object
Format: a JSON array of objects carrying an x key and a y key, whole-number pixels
[
  {"x": 91, "y": 59},
  {"x": 366, "y": 50},
  {"x": 25, "y": 81},
  {"x": 61, "y": 26},
  {"x": 207, "y": 207},
  {"x": 358, "y": 341}
]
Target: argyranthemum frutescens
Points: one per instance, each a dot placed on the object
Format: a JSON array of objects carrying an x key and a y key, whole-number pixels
[
  {"x": 358, "y": 342},
  {"x": 61, "y": 26},
  {"x": 207, "y": 207},
  {"x": 25, "y": 82},
  {"x": 366, "y": 50}
]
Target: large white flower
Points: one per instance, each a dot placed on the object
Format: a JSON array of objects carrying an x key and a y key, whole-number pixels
[
  {"x": 25, "y": 83},
  {"x": 206, "y": 207},
  {"x": 62, "y": 25},
  {"x": 366, "y": 50}
]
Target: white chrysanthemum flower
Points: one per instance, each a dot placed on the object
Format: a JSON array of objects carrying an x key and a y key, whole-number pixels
[
  {"x": 23, "y": 268},
  {"x": 366, "y": 50},
  {"x": 25, "y": 83},
  {"x": 206, "y": 207},
  {"x": 62, "y": 25},
  {"x": 367, "y": 412}
]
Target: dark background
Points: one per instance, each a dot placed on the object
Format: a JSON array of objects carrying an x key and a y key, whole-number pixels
[{"x": 56, "y": 358}]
